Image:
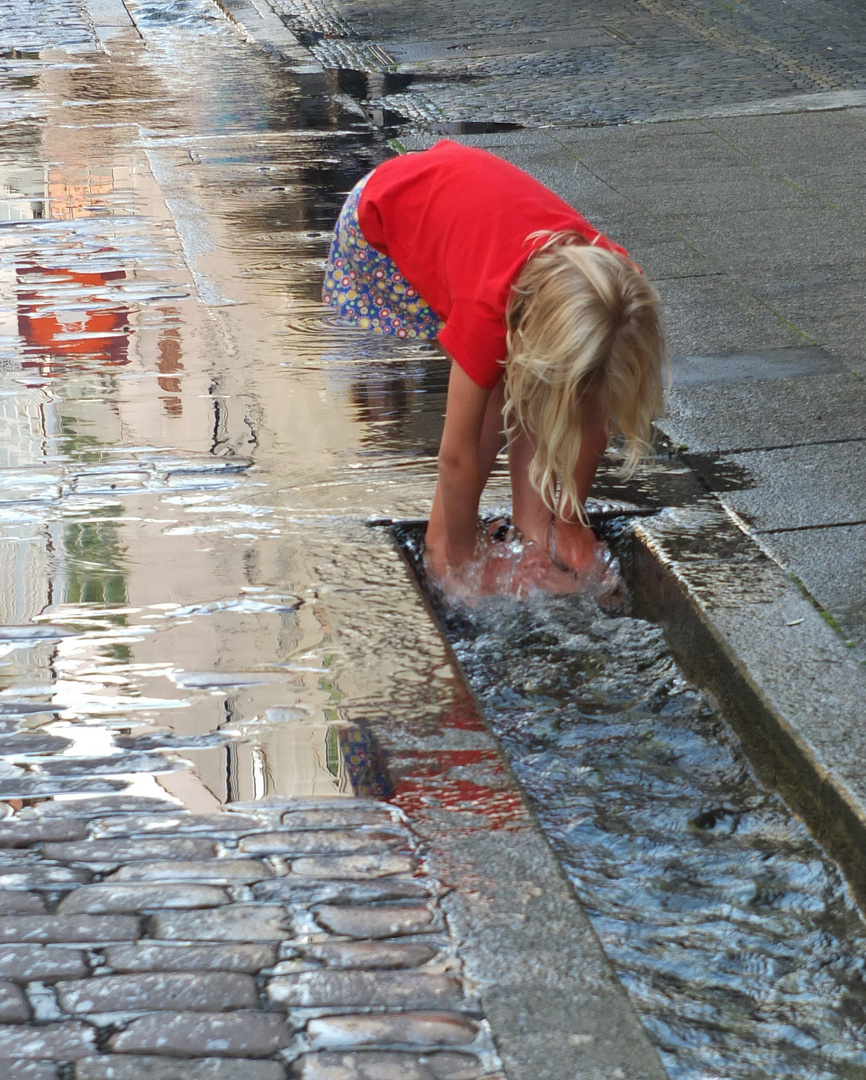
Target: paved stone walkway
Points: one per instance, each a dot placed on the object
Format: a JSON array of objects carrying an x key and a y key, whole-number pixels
[
  {"x": 140, "y": 942},
  {"x": 599, "y": 62}
]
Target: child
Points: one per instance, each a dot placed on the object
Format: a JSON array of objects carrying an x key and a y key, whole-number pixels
[{"x": 554, "y": 337}]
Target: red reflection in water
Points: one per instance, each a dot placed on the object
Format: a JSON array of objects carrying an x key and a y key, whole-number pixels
[
  {"x": 428, "y": 784},
  {"x": 464, "y": 713},
  {"x": 64, "y": 315},
  {"x": 61, "y": 337},
  {"x": 169, "y": 363}
]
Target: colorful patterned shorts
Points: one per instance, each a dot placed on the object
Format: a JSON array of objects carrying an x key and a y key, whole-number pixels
[{"x": 366, "y": 287}]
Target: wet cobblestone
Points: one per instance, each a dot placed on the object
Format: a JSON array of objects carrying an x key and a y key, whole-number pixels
[
  {"x": 599, "y": 63},
  {"x": 423, "y": 1029},
  {"x": 143, "y": 957},
  {"x": 104, "y": 899},
  {"x": 388, "y": 920},
  {"x": 244, "y": 1034},
  {"x": 235, "y": 982},
  {"x": 317, "y": 989},
  {"x": 14, "y": 1007},
  {"x": 236, "y": 871},
  {"x": 41, "y": 963},
  {"x": 371, "y": 1065},
  {"x": 137, "y": 1067},
  {"x": 199, "y": 992}
]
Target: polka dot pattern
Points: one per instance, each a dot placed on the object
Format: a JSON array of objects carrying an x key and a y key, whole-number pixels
[{"x": 366, "y": 288}]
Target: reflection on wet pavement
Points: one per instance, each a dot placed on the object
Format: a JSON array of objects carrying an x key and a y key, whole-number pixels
[
  {"x": 192, "y": 609},
  {"x": 190, "y": 443}
]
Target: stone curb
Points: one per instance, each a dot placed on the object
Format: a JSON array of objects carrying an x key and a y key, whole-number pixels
[
  {"x": 265, "y": 28},
  {"x": 746, "y": 632}
]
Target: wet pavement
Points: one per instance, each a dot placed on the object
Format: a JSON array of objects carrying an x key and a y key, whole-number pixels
[
  {"x": 213, "y": 944},
  {"x": 195, "y": 616},
  {"x": 599, "y": 63}
]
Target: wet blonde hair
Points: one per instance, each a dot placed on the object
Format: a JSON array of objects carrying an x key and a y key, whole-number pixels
[{"x": 581, "y": 320}]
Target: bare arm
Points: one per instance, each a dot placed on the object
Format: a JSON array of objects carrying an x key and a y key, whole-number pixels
[
  {"x": 462, "y": 474},
  {"x": 574, "y": 543}
]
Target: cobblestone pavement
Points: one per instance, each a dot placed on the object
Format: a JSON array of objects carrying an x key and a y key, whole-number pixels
[
  {"x": 593, "y": 63},
  {"x": 138, "y": 941}
]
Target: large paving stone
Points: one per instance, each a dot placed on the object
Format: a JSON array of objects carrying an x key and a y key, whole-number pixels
[
  {"x": 321, "y": 841},
  {"x": 353, "y": 866},
  {"x": 43, "y": 929},
  {"x": 14, "y": 1007},
  {"x": 388, "y": 1065},
  {"x": 137, "y": 1067},
  {"x": 300, "y": 890},
  {"x": 831, "y": 563},
  {"x": 801, "y": 486},
  {"x": 54, "y": 1042},
  {"x": 207, "y": 871},
  {"x": 752, "y": 416},
  {"x": 18, "y": 902},
  {"x": 240, "y": 1034},
  {"x": 381, "y": 921},
  {"x": 717, "y": 314},
  {"x": 126, "y": 851},
  {"x": 154, "y": 824},
  {"x": 380, "y": 955},
  {"x": 199, "y": 992},
  {"x": 18, "y": 1069},
  {"x": 17, "y": 833},
  {"x": 324, "y": 989},
  {"x": 42, "y": 963},
  {"x": 391, "y": 1029},
  {"x": 336, "y": 818},
  {"x": 106, "y": 898},
  {"x": 235, "y": 922},
  {"x": 147, "y": 957}
]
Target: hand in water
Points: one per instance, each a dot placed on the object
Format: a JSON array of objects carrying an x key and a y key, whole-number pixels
[
  {"x": 505, "y": 565},
  {"x": 576, "y": 548}
]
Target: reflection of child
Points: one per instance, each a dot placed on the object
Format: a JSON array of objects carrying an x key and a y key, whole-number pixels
[{"x": 455, "y": 244}]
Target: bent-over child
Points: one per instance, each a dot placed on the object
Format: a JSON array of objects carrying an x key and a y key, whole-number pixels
[{"x": 553, "y": 334}]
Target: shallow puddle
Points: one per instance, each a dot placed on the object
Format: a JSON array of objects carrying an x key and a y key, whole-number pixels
[{"x": 190, "y": 442}]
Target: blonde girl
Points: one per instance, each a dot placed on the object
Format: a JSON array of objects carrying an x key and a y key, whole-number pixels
[{"x": 554, "y": 338}]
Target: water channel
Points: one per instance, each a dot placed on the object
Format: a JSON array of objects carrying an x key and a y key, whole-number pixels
[{"x": 191, "y": 447}]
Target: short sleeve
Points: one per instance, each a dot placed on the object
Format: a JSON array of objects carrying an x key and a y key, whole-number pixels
[{"x": 474, "y": 335}]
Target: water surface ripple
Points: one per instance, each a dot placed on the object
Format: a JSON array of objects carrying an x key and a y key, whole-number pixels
[{"x": 734, "y": 935}]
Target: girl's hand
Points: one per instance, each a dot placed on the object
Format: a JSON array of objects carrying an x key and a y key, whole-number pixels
[
  {"x": 575, "y": 547},
  {"x": 502, "y": 568}
]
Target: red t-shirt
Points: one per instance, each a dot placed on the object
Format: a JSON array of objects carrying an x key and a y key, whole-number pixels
[{"x": 456, "y": 220}]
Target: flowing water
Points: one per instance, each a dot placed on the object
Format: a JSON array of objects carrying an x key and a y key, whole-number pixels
[
  {"x": 189, "y": 448},
  {"x": 735, "y": 936}
]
